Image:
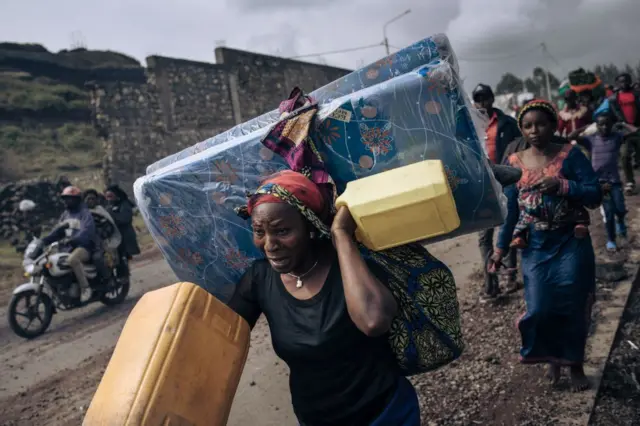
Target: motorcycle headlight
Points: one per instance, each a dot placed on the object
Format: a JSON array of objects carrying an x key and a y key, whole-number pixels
[{"x": 30, "y": 269}]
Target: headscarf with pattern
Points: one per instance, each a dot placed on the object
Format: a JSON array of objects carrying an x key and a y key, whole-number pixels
[
  {"x": 538, "y": 105},
  {"x": 297, "y": 190}
]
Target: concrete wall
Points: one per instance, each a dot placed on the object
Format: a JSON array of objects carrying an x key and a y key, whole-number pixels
[{"x": 184, "y": 102}]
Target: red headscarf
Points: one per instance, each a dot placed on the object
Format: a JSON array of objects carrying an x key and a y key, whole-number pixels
[{"x": 299, "y": 186}]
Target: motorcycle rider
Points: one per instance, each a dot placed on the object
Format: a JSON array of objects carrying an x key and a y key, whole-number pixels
[
  {"x": 121, "y": 210},
  {"x": 108, "y": 233},
  {"x": 77, "y": 225}
]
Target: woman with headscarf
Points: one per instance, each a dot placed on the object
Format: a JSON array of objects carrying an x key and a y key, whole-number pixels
[
  {"x": 121, "y": 209},
  {"x": 327, "y": 307},
  {"x": 575, "y": 114},
  {"x": 558, "y": 266},
  {"x": 107, "y": 230},
  {"x": 105, "y": 225}
]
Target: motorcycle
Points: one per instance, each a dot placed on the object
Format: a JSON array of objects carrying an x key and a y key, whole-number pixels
[{"x": 47, "y": 292}]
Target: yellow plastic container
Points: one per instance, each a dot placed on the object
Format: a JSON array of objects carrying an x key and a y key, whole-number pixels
[
  {"x": 178, "y": 362},
  {"x": 401, "y": 206}
]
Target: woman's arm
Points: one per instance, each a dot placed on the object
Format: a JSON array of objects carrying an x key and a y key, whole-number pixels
[
  {"x": 244, "y": 300},
  {"x": 123, "y": 215},
  {"x": 582, "y": 184},
  {"x": 505, "y": 234},
  {"x": 562, "y": 127},
  {"x": 370, "y": 304}
]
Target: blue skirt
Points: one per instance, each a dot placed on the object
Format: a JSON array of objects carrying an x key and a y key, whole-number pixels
[
  {"x": 559, "y": 282},
  {"x": 403, "y": 409}
]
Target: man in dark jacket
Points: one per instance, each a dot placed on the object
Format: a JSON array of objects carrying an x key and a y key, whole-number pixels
[
  {"x": 625, "y": 106},
  {"x": 77, "y": 228},
  {"x": 501, "y": 131}
]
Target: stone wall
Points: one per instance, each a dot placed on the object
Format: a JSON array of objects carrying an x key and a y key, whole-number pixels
[
  {"x": 264, "y": 81},
  {"x": 184, "y": 102}
]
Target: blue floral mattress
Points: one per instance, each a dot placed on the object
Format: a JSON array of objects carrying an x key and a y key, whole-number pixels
[
  {"x": 189, "y": 204},
  {"x": 406, "y": 60}
]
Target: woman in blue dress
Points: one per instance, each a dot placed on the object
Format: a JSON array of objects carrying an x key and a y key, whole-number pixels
[{"x": 558, "y": 264}]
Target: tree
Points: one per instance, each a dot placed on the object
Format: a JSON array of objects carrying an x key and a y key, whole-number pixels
[
  {"x": 609, "y": 73},
  {"x": 539, "y": 74},
  {"x": 630, "y": 71},
  {"x": 509, "y": 83},
  {"x": 532, "y": 86},
  {"x": 599, "y": 71}
]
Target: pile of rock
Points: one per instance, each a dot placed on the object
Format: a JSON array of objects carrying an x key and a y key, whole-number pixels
[{"x": 44, "y": 193}]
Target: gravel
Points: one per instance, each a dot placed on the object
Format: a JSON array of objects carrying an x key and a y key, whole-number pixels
[
  {"x": 618, "y": 401},
  {"x": 487, "y": 385}
]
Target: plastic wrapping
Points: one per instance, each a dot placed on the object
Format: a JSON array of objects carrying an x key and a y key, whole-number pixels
[
  {"x": 406, "y": 60},
  {"x": 423, "y": 114}
]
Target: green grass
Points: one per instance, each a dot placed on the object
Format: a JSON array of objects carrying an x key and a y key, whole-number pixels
[
  {"x": 50, "y": 151},
  {"x": 44, "y": 148},
  {"x": 11, "y": 267},
  {"x": 9, "y": 256},
  {"x": 19, "y": 91}
]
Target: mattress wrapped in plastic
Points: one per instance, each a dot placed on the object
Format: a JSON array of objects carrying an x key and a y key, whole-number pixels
[
  {"x": 188, "y": 205},
  {"x": 408, "y": 59}
]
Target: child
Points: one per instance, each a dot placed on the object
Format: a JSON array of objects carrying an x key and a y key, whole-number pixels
[
  {"x": 547, "y": 212},
  {"x": 604, "y": 147}
]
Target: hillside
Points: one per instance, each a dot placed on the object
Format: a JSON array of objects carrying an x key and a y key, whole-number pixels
[{"x": 45, "y": 117}]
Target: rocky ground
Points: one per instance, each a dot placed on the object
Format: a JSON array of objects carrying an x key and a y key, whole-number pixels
[
  {"x": 487, "y": 386},
  {"x": 618, "y": 401}
]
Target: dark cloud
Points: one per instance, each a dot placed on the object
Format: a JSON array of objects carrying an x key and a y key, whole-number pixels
[
  {"x": 577, "y": 33},
  {"x": 489, "y": 36}
]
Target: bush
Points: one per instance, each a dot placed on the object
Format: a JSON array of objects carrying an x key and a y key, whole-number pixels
[
  {"x": 20, "y": 92},
  {"x": 16, "y": 139},
  {"x": 33, "y": 140},
  {"x": 78, "y": 138}
]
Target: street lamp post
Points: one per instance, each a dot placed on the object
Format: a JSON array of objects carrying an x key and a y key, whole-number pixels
[{"x": 384, "y": 28}]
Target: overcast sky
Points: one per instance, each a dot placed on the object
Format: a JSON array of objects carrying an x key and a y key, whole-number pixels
[{"x": 489, "y": 36}]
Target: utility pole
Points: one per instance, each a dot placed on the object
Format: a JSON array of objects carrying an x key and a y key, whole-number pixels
[
  {"x": 546, "y": 73},
  {"x": 384, "y": 29}
]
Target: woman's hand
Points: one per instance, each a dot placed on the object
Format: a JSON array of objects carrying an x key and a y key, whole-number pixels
[
  {"x": 548, "y": 185},
  {"x": 343, "y": 222},
  {"x": 370, "y": 303},
  {"x": 494, "y": 260}
]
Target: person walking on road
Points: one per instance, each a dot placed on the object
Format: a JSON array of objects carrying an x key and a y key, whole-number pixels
[
  {"x": 558, "y": 266},
  {"x": 574, "y": 115},
  {"x": 328, "y": 309},
  {"x": 501, "y": 131},
  {"x": 625, "y": 105},
  {"x": 604, "y": 148}
]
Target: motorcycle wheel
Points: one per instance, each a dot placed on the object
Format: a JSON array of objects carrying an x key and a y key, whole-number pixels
[
  {"x": 118, "y": 294},
  {"x": 33, "y": 302}
]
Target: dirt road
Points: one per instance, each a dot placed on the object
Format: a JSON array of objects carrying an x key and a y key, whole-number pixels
[{"x": 51, "y": 380}]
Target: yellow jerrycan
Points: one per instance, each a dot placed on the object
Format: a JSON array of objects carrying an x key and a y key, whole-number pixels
[
  {"x": 402, "y": 205},
  {"x": 178, "y": 362}
]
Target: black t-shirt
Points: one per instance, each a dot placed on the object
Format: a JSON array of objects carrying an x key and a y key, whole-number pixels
[{"x": 339, "y": 376}]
